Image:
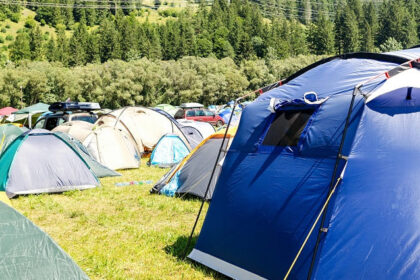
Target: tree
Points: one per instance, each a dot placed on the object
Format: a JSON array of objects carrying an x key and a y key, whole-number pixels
[
  {"x": 350, "y": 31},
  {"x": 36, "y": 43},
  {"x": 51, "y": 52},
  {"x": 321, "y": 36},
  {"x": 20, "y": 48},
  {"x": 62, "y": 45},
  {"x": 109, "y": 42},
  {"x": 78, "y": 45},
  {"x": 390, "y": 45}
]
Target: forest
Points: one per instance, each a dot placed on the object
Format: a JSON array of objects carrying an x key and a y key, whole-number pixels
[{"x": 223, "y": 34}]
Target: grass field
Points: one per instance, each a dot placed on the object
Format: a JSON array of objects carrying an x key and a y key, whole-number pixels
[{"x": 121, "y": 232}]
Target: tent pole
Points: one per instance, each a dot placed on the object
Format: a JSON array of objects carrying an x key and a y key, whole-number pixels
[
  {"x": 331, "y": 187},
  {"x": 184, "y": 255}
]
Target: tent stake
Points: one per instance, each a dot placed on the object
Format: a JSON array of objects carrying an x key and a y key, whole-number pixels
[
  {"x": 331, "y": 187},
  {"x": 184, "y": 255}
]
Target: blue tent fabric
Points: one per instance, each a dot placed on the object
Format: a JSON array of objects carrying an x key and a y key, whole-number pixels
[
  {"x": 374, "y": 232},
  {"x": 267, "y": 197},
  {"x": 169, "y": 151}
]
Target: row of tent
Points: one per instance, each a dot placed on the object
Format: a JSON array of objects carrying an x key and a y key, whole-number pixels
[
  {"x": 119, "y": 139},
  {"x": 321, "y": 180}
]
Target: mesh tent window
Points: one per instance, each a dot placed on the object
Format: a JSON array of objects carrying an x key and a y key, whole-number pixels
[{"x": 287, "y": 127}]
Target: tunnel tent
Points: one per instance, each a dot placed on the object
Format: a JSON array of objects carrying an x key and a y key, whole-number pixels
[
  {"x": 286, "y": 163},
  {"x": 113, "y": 148},
  {"x": 169, "y": 151},
  {"x": 27, "y": 252},
  {"x": 76, "y": 129},
  {"x": 191, "y": 176},
  {"x": 99, "y": 169},
  {"x": 8, "y": 133},
  {"x": 38, "y": 161}
]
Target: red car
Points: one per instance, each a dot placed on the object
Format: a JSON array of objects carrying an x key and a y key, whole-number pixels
[{"x": 201, "y": 115}]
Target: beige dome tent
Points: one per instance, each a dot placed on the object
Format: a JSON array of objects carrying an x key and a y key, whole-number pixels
[
  {"x": 113, "y": 148},
  {"x": 145, "y": 125},
  {"x": 76, "y": 129}
]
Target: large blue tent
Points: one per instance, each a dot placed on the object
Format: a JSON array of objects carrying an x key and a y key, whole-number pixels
[{"x": 290, "y": 152}]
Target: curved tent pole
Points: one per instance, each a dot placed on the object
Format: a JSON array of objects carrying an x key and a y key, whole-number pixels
[
  {"x": 333, "y": 183},
  {"x": 213, "y": 171}
]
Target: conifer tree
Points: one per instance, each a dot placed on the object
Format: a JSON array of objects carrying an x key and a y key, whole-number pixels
[
  {"x": 20, "y": 48},
  {"x": 78, "y": 45},
  {"x": 36, "y": 43}
]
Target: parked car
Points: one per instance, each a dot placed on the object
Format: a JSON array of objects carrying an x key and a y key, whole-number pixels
[
  {"x": 62, "y": 112},
  {"x": 201, "y": 115}
]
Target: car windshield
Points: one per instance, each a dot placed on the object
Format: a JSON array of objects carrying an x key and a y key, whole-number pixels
[
  {"x": 89, "y": 119},
  {"x": 209, "y": 113},
  {"x": 51, "y": 123},
  {"x": 191, "y": 113},
  {"x": 40, "y": 123}
]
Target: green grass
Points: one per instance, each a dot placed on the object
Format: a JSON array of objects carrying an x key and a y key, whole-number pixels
[{"x": 121, "y": 232}]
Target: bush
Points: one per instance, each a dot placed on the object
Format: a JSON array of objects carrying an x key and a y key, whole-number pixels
[
  {"x": 1, "y": 39},
  {"x": 43, "y": 22},
  {"x": 3, "y": 30},
  {"x": 15, "y": 17},
  {"x": 30, "y": 23},
  {"x": 9, "y": 37},
  {"x": 8, "y": 26}
]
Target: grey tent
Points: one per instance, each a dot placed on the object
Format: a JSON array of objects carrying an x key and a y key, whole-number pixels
[
  {"x": 97, "y": 168},
  {"x": 191, "y": 176},
  {"x": 26, "y": 252},
  {"x": 195, "y": 131},
  {"x": 38, "y": 161},
  {"x": 8, "y": 133},
  {"x": 193, "y": 135}
]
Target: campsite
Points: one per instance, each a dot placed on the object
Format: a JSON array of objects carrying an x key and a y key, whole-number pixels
[
  {"x": 217, "y": 139},
  {"x": 135, "y": 193}
]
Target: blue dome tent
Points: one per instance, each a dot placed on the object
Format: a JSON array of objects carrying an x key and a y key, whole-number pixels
[
  {"x": 169, "y": 151},
  {"x": 321, "y": 180}
]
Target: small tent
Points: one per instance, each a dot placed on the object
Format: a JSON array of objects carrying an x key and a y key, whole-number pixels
[
  {"x": 191, "y": 176},
  {"x": 324, "y": 187},
  {"x": 196, "y": 131},
  {"x": 171, "y": 110},
  {"x": 8, "y": 133},
  {"x": 113, "y": 148},
  {"x": 97, "y": 168},
  {"x": 169, "y": 151},
  {"x": 76, "y": 129},
  {"x": 40, "y": 162},
  {"x": 7, "y": 111},
  {"x": 29, "y": 253},
  {"x": 29, "y": 113}
]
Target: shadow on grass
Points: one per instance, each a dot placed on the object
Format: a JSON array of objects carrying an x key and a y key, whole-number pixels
[{"x": 177, "y": 249}]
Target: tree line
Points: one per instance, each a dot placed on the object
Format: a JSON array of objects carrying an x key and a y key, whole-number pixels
[
  {"x": 241, "y": 30},
  {"x": 116, "y": 83}
]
